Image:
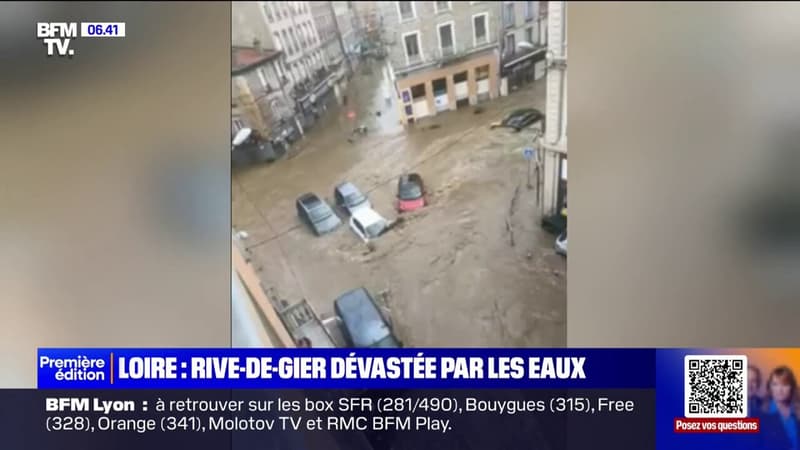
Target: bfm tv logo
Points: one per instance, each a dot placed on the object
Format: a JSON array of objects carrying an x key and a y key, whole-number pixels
[{"x": 57, "y": 36}]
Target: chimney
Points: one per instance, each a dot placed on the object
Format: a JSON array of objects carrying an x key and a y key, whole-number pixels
[{"x": 257, "y": 44}]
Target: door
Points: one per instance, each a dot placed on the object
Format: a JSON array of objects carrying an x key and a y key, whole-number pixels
[
  {"x": 461, "y": 88},
  {"x": 358, "y": 229},
  {"x": 419, "y": 101},
  {"x": 482, "y": 76},
  {"x": 440, "y": 99}
]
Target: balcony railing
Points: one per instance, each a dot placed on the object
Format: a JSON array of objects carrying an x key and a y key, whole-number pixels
[
  {"x": 447, "y": 52},
  {"x": 414, "y": 60},
  {"x": 440, "y": 56}
]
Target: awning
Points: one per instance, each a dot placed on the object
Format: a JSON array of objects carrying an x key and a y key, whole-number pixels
[{"x": 525, "y": 56}]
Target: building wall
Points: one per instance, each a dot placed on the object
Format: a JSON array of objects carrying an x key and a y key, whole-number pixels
[
  {"x": 247, "y": 24},
  {"x": 367, "y": 14},
  {"x": 448, "y": 72},
  {"x": 294, "y": 31},
  {"x": 555, "y": 138},
  {"x": 347, "y": 22},
  {"x": 426, "y": 21},
  {"x": 259, "y": 105},
  {"x": 522, "y": 22},
  {"x": 245, "y": 105}
]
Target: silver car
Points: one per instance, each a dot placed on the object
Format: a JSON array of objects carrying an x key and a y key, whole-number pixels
[
  {"x": 348, "y": 197},
  {"x": 317, "y": 214}
]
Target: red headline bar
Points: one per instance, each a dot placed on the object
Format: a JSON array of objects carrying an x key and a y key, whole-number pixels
[{"x": 744, "y": 425}]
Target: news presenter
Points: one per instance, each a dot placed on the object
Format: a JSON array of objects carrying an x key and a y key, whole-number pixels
[
  {"x": 780, "y": 429},
  {"x": 755, "y": 402}
]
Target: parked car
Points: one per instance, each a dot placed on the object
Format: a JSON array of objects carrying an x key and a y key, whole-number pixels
[
  {"x": 561, "y": 243},
  {"x": 363, "y": 325},
  {"x": 519, "y": 119},
  {"x": 348, "y": 197},
  {"x": 367, "y": 224},
  {"x": 317, "y": 214},
  {"x": 410, "y": 192}
]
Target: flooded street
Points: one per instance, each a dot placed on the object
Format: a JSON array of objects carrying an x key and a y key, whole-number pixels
[{"x": 449, "y": 272}]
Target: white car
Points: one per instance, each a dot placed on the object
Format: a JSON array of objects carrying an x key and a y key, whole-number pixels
[
  {"x": 367, "y": 224},
  {"x": 561, "y": 243}
]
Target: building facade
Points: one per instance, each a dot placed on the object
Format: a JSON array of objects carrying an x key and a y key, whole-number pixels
[
  {"x": 259, "y": 96},
  {"x": 554, "y": 195},
  {"x": 248, "y": 25},
  {"x": 523, "y": 42},
  {"x": 327, "y": 29},
  {"x": 299, "y": 70},
  {"x": 441, "y": 55},
  {"x": 368, "y": 16},
  {"x": 294, "y": 32},
  {"x": 348, "y": 27}
]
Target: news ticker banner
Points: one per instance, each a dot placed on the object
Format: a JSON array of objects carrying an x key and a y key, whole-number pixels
[{"x": 703, "y": 398}]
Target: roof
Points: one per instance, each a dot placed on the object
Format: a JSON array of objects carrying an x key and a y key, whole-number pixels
[
  {"x": 347, "y": 188},
  {"x": 244, "y": 59},
  {"x": 367, "y": 216},
  {"x": 362, "y": 318},
  {"x": 309, "y": 199}
]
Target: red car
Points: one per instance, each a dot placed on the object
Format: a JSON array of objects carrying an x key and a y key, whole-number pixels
[{"x": 410, "y": 193}]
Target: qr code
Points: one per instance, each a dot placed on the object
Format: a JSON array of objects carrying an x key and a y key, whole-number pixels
[{"x": 716, "y": 386}]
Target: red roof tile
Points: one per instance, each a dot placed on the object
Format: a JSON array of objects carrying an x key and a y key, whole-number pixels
[{"x": 243, "y": 58}]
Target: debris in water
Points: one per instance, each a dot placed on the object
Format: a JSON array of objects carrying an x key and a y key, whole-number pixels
[
  {"x": 378, "y": 113},
  {"x": 478, "y": 110}
]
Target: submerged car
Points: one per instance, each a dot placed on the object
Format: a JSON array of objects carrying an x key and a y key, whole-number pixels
[
  {"x": 317, "y": 214},
  {"x": 561, "y": 243},
  {"x": 410, "y": 193},
  {"x": 519, "y": 119},
  {"x": 349, "y": 198},
  {"x": 363, "y": 325},
  {"x": 367, "y": 224}
]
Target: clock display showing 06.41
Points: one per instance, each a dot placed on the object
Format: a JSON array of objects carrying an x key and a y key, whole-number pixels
[{"x": 102, "y": 29}]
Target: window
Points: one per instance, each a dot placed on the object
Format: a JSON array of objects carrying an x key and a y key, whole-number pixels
[
  {"x": 531, "y": 10},
  {"x": 310, "y": 33},
  {"x": 277, "y": 10},
  {"x": 412, "y": 47},
  {"x": 418, "y": 91},
  {"x": 406, "y": 10},
  {"x": 262, "y": 77},
  {"x": 446, "y": 39},
  {"x": 268, "y": 10},
  {"x": 510, "y": 43},
  {"x": 286, "y": 42},
  {"x": 294, "y": 39},
  {"x": 442, "y": 6},
  {"x": 480, "y": 28},
  {"x": 277, "y": 39},
  {"x": 482, "y": 73},
  {"x": 508, "y": 14},
  {"x": 529, "y": 35}
]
